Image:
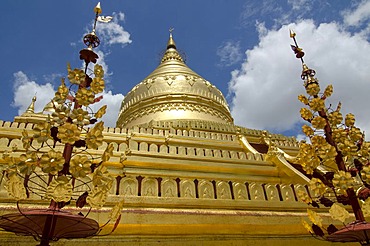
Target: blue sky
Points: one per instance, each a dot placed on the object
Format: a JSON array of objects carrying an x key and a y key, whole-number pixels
[{"x": 242, "y": 47}]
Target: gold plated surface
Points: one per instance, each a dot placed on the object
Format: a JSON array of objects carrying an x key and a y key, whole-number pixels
[
  {"x": 190, "y": 179},
  {"x": 186, "y": 173}
]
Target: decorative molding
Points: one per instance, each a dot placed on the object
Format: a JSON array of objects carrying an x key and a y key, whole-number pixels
[
  {"x": 172, "y": 55},
  {"x": 130, "y": 116}
]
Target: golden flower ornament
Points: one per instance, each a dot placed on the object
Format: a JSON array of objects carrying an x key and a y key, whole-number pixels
[
  {"x": 348, "y": 148},
  {"x": 52, "y": 162},
  {"x": 97, "y": 85},
  {"x": 317, "y": 104},
  {"x": 328, "y": 91},
  {"x": 365, "y": 173},
  {"x": 317, "y": 141},
  {"x": 69, "y": 133},
  {"x": 307, "y": 158},
  {"x": 85, "y": 96},
  {"x": 80, "y": 166},
  {"x": 317, "y": 186},
  {"x": 335, "y": 118},
  {"x": 343, "y": 180},
  {"x": 76, "y": 76},
  {"x": 304, "y": 197},
  {"x": 318, "y": 122},
  {"x": 311, "y": 164},
  {"x": 56, "y": 163},
  {"x": 337, "y": 212},
  {"x": 307, "y": 130},
  {"x": 339, "y": 135},
  {"x": 349, "y": 120},
  {"x": 303, "y": 99},
  {"x": 42, "y": 132},
  {"x": 306, "y": 114},
  {"x": 27, "y": 162},
  {"x": 355, "y": 134},
  {"x": 364, "y": 153},
  {"x": 326, "y": 151},
  {"x": 61, "y": 94},
  {"x": 59, "y": 189},
  {"x": 98, "y": 71},
  {"x": 313, "y": 89},
  {"x": 60, "y": 115},
  {"x": 80, "y": 117}
]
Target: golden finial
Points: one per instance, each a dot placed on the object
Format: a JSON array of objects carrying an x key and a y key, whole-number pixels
[
  {"x": 297, "y": 51},
  {"x": 307, "y": 73},
  {"x": 171, "y": 42},
  {"x": 91, "y": 40},
  {"x": 97, "y": 8},
  {"x": 31, "y": 108},
  {"x": 171, "y": 30}
]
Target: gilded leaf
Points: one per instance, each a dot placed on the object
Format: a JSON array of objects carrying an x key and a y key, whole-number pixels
[
  {"x": 15, "y": 188},
  {"x": 337, "y": 212},
  {"x": 314, "y": 217},
  {"x": 60, "y": 190}
]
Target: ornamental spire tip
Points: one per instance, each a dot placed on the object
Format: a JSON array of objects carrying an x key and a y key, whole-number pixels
[
  {"x": 171, "y": 42},
  {"x": 297, "y": 51}
]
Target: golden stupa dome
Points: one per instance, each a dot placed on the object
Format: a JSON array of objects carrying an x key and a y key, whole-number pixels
[{"x": 172, "y": 92}]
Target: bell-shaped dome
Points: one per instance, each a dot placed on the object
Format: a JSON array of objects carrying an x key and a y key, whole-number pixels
[{"x": 171, "y": 92}]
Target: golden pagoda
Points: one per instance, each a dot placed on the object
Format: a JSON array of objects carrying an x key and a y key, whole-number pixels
[{"x": 186, "y": 173}]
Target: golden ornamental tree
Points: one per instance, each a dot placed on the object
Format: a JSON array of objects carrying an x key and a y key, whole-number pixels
[
  {"x": 58, "y": 165},
  {"x": 337, "y": 161}
]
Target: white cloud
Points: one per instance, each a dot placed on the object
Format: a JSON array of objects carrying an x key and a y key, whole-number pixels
[
  {"x": 257, "y": 9},
  {"x": 53, "y": 78},
  {"x": 301, "y": 5},
  {"x": 267, "y": 84},
  {"x": 113, "y": 32},
  {"x": 120, "y": 16},
  {"x": 303, "y": 137},
  {"x": 357, "y": 16},
  {"x": 261, "y": 29},
  {"x": 113, "y": 102},
  {"x": 25, "y": 89},
  {"x": 229, "y": 53}
]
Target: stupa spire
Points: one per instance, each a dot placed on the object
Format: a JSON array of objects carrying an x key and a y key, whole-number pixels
[
  {"x": 171, "y": 42},
  {"x": 171, "y": 53},
  {"x": 31, "y": 107},
  {"x": 173, "y": 91}
]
